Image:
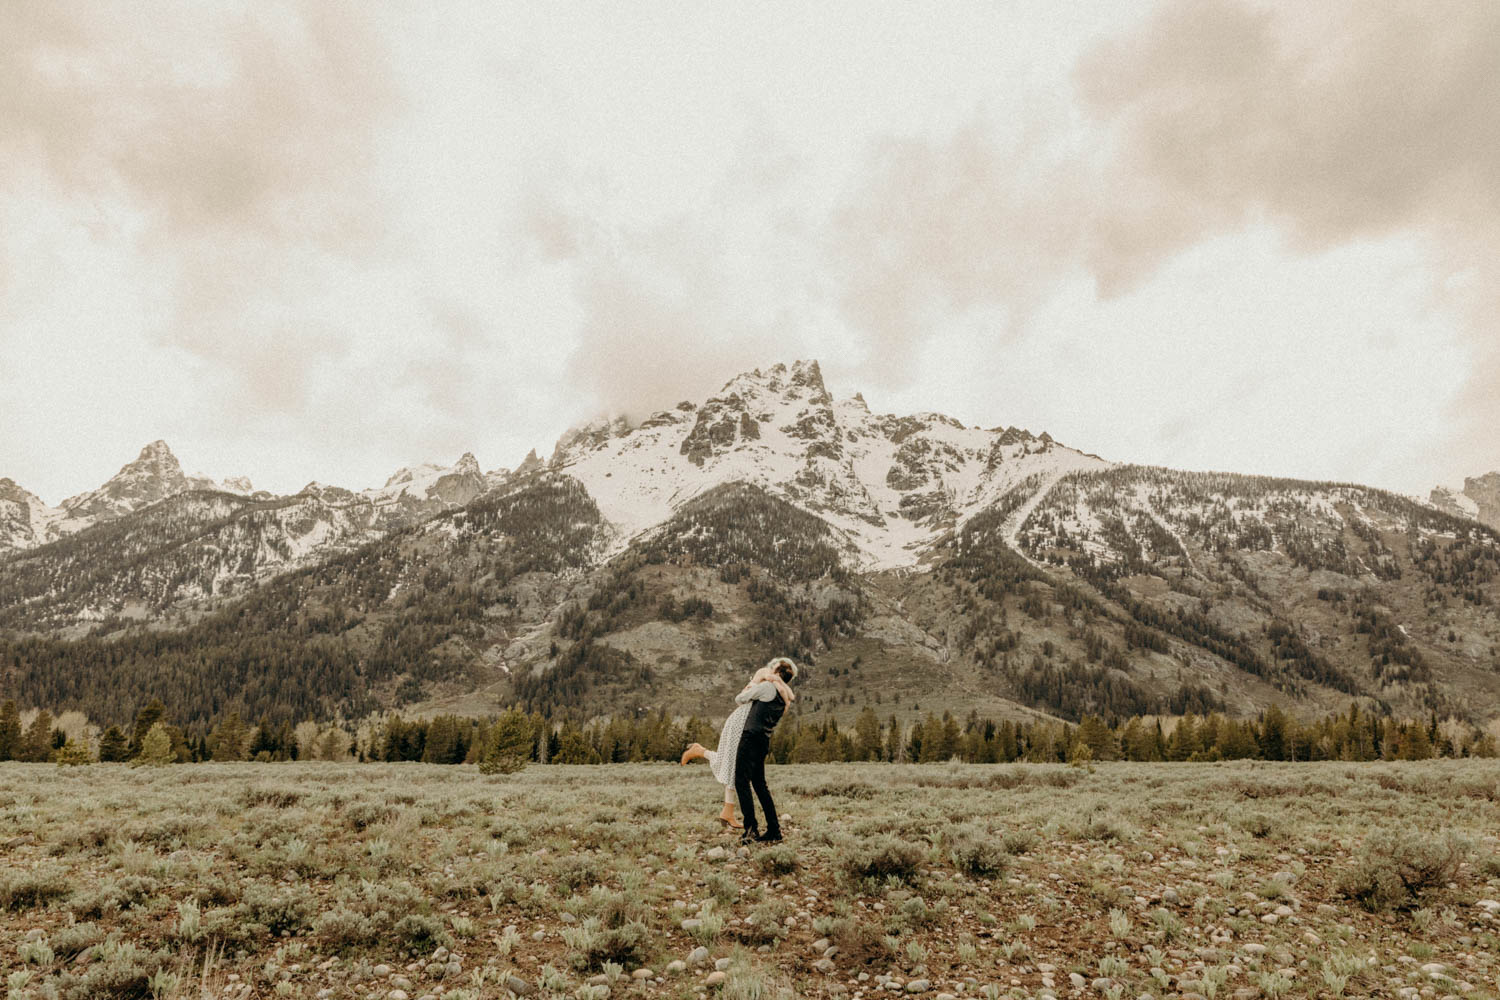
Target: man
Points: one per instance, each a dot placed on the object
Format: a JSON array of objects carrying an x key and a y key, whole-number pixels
[{"x": 767, "y": 701}]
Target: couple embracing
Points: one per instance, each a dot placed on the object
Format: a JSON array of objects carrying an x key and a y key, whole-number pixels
[{"x": 739, "y": 764}]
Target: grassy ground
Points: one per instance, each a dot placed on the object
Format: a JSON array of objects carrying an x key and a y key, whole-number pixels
[{"x": 325, "y": 880}]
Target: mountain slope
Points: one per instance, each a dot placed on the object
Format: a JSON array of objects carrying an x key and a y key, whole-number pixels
[{"x": 912, "y": 564}]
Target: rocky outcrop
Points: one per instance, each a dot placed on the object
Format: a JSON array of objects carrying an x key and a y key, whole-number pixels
[{"x": 1479, "y": 499}]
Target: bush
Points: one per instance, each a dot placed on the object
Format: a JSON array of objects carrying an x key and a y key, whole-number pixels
[
  {"x": 276, "y": 911},
  {"x": 1018, "y": 841},
  {"x": 592, "y": 945},
  {"x": 977, "y": 857},
  {"x": 503, "y": 763},
  {"x": 70, "y": 941},
  {"x": 1394, "y": 869},
  {"x": 113, "y": 895},
  {"x": 882, "y": 857},
  {"x": 778, "y": 860},
  {"x": 343, "y": 930},
  {"x": 23, "y": 890},
  {"x": 420, "y": 932},
  {"x": 1257, "y": 824},
  {"x": 362, "y": 815}
]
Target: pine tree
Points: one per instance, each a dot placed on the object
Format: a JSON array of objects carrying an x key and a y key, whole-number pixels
[
  {"x": 333, "y": 745},
  {"x": 144, "y": 720},
  {"x": 867, "y": 737},
  {"x": 1094, "y": 734},
  {"x": 113, "y": 746},
  {"x": 1273, "y": 734},
  {"x": 893, "y": 741},
  {"x": 508, "y": 744},
  {"x": 156, "y": 747},
  {"x": 74, "y": 753},
  {"x": 36, "y": 744},
  {"x": 229, "y": 739},
  {"x": 10, "y": 731}
]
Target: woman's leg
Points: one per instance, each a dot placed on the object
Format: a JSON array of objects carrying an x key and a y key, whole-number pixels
[{"x": 727, "y": 813}]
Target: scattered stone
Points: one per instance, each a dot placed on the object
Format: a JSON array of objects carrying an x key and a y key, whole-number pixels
[
  {"x": 820, "y": 944},
  {"x": 716, "y": 978},
  {"x": 676, "y": 966},
  {"x": 642, "y": 974},
  {"x": 824, "y": 965},
  {"x": 716, "y": 854},
  {"x": 1078, "y": 981},
  {"x": 918, "y": 986},
  {"x": 381, "y": 971},
  {"x": 698, "y": 956},
  {"x": 519, "y": 986},
  {"x": 567, "y": 918},
  {"x": 691, "y": 924},
  {"x": 721, "y": 964},
  {"x": 396, "y": 995}
]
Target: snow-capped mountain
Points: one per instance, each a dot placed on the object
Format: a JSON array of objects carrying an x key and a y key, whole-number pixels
[
  {"x": 650, "y": 559},
  {"x": 156, "y": 475},
  {"x": 891, "y": 485},
  {"x": 25, "y": 521},
  {"x": 432, "y": 485},
  {"x": 153, "y": 476}
]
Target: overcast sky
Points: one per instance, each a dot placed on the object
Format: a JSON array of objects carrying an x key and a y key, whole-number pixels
[{"x": 304, "y": 241}]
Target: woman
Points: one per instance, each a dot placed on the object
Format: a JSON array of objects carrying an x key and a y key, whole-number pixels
[{"x": 721, "y": 761}]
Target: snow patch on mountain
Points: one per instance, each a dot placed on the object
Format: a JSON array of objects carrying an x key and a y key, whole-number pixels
[{"x": 890, "y": 485}]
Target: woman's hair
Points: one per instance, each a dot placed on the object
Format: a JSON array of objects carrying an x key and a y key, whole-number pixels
[{"x": 785, "y": 667}]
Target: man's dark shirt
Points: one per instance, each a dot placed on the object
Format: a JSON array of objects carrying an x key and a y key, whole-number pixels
[{"x": 765, "y": 708}]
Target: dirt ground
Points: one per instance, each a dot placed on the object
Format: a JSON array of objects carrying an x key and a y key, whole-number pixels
[{"x": 1232, "y": 880}]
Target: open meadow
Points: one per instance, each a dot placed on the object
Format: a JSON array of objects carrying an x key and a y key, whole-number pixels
[{"x": 1230, "y": 880}]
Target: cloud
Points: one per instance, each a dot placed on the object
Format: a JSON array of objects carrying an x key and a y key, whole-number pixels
[
  {"x": 226, "y": 152},
  {"x": 1335, "y": 124},
  {"x": 673, "y": 303}
]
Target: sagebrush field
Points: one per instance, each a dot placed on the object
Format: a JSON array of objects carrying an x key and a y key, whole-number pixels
[{"x": 325, "y": 880}]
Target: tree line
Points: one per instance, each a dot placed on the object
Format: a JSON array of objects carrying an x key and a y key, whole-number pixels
[{"x": 516, "y": 737}]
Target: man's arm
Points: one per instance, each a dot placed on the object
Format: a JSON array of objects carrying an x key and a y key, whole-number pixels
[
  {"x": 764, "y": 691},
  {"x": 786, "y": 692}
]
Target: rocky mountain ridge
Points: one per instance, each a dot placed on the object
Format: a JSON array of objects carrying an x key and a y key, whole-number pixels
[
  {"x": 645, "y": 565},
  {"x": 1479, "y": 499}
]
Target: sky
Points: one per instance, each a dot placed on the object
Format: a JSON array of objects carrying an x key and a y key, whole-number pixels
[{"x": 314, "y": 241}]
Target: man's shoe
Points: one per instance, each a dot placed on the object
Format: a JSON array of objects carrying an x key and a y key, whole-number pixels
[
  {"x": 749, "y": 836},
  {"x": 769, "y": 837}
]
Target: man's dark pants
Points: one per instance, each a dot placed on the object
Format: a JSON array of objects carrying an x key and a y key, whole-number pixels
[{"x": 750, "y": 772}]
